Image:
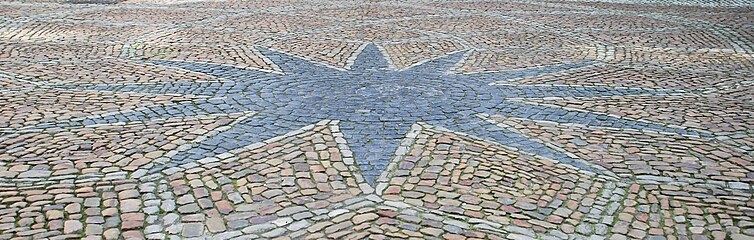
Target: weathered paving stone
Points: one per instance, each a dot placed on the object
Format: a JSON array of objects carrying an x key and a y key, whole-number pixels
[
  {"x": 172, "y": 119},
  {"x": 72, "y": 226},
  {"x": 192, "y": 230}
]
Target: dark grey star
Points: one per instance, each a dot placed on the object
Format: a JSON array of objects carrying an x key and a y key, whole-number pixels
[{"x": 375, "y": 104}]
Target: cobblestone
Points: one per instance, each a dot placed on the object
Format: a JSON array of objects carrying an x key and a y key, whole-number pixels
[{"x": 298, "y": 119}]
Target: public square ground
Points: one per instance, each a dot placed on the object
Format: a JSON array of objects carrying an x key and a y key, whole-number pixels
[{"x": 291, "y": 119}]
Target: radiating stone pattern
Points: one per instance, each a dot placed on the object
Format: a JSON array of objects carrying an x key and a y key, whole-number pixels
[{"x": 308, "y": 119}]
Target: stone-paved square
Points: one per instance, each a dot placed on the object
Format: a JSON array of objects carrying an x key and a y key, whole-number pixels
[{"x": 420, "y": 119}]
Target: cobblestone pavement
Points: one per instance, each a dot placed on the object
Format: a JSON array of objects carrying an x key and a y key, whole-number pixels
[{"x": 306, "y": 119}]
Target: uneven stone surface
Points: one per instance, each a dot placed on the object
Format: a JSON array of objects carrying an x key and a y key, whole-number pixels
[{"x": 309, "y": 119}]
